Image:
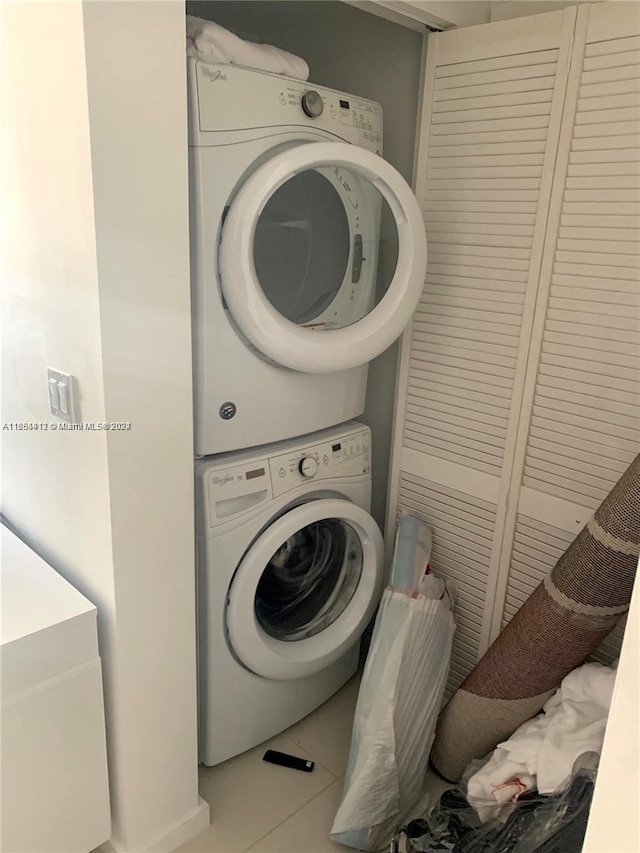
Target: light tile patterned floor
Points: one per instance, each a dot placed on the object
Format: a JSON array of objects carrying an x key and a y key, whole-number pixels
[{"x": 262, "y": 808}]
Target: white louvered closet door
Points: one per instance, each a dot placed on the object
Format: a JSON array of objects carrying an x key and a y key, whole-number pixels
[
  {"x": 493, "y": 105},
  {"x": 581, "y": 411}
]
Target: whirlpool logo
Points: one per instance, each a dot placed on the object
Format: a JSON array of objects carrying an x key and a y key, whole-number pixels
[
  {"x": 221, "y": 481},
  {"x": 214, "y": 75}
]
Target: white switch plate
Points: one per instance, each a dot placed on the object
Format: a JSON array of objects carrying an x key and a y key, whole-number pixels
[{"x": 62, "y": 395}]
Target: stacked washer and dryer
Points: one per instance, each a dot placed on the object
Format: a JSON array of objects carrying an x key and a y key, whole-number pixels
[{"x": 308, "y": 260}]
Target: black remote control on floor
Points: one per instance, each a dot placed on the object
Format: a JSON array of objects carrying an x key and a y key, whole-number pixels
[{"x": 286, "y": 760}]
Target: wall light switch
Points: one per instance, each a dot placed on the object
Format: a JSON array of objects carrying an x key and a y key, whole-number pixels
[
  {"x": 62, "y": 395},
  {"x": 54, "y": 396}
]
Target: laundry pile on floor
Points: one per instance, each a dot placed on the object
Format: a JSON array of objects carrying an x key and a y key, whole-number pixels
[
  {"x": 541, "y": 753},
  {"x": 540, "y": 824},
  {"x": 212, "y": 43},
  {"x": 534, "y": 791}
]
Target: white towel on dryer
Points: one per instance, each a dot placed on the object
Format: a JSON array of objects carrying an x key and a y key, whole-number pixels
[{"x": 212, "y": 43}]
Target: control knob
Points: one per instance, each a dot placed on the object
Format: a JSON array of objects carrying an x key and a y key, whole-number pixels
[
  {"x": 308, "y": 467},
  {"x": 311, "y": 103}
]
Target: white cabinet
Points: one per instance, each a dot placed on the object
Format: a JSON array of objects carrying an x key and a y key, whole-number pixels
[
  {"x": 518, "y": 396},
  {"x": 55, "y": 794}
]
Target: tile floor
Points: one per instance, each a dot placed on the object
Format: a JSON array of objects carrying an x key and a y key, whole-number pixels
[{"x": 261, "y": 808}]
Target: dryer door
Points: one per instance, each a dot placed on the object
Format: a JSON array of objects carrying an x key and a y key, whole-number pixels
[
  {"x": 322, "y": 257},
  {"x": 306, "y": 589}
]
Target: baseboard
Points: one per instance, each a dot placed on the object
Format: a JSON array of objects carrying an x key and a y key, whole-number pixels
[
  {"x": 195, "y": 823},
  {"x": 191, "y": 826}
]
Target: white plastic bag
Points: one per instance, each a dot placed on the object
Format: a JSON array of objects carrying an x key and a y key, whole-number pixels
[{"x": 400, "y": 697}]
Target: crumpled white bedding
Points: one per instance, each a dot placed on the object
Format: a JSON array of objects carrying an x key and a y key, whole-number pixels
[
  {"x": 212, "y": 43},
  {"x": 542, "y": 752}
]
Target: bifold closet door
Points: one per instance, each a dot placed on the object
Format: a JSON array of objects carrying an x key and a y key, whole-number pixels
[
  {"x": 580, "y": 425},
  {"x": 492, "y": 114}
]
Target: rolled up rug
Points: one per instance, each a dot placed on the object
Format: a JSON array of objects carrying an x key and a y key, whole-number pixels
[{"x": 556, "y": 629}]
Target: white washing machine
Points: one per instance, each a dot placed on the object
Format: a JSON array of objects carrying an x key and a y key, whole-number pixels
[
  {"x": 308, "y": 254},
  {"x": 289, "y": 574}
]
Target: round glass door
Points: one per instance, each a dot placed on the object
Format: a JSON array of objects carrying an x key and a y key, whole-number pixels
[
  {"x": 325, "y": 248},
  {"x": 322, "y": 257},
  {"x": 310, "y": 580},
  {"x": 306, "y": 589}
]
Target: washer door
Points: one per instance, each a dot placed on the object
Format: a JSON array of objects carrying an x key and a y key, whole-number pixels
[
  {"x": 322, "y": 257},
  {"x": 306, "y": 589}
]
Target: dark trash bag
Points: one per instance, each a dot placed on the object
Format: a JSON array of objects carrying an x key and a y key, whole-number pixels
[{"x": 556, "y": 823}]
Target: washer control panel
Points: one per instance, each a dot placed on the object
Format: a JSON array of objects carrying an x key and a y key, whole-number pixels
[
  {"x": 231, "y": 491},
  {"x": 349, "y": 456}
]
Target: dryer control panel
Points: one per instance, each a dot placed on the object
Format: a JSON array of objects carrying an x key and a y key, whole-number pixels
[
  {"x": 228, "y": 98},
  {"x": 348, "y": 456}
]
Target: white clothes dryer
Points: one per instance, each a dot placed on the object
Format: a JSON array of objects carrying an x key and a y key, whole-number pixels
[
  {"x": 289, "y": 566},
  {"x": 308, "y": 254}
]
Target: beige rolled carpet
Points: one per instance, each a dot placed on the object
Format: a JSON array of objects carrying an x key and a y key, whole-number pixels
[{"x": 555, "y": 630}]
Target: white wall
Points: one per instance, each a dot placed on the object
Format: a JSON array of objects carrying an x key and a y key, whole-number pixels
[
  {"x": 98, "y": 285},
  {"x": 55, "y": 485}
]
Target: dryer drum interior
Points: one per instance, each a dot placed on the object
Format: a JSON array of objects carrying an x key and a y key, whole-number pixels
[{"x": 325, "y": 248}]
